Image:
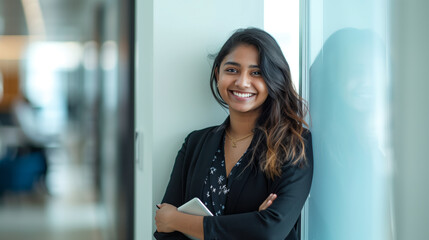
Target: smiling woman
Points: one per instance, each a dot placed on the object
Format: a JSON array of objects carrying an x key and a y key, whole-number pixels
[
  {"x": 254, "y": 171},
  {"x": 240, "y": 82}
]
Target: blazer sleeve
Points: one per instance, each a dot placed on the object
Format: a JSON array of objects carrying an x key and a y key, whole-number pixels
[
  {"x": 175, "y": 192},
  {"x": 292, "y": 190}
]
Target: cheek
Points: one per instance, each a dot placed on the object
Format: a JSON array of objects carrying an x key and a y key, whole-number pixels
[
  {"x": 223, "y": 82},
  {"x": 262, "y": 88},
  {"x": 221, "y": 86}
]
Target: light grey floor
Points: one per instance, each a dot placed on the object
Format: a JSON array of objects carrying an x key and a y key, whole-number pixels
[{"x": 69, "y": 212}]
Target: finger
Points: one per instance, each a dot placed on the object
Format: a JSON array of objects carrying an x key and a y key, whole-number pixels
[
  {"x": 267, "y": 203},
  {"x": 270, "y": 197},
  {"x": 265, "y": 206},
  {"x": 273, "y": 197},
  {"x": 264, "y": 203}
]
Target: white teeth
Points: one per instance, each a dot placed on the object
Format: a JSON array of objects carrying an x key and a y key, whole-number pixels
[{"x": 243, "y": 95}]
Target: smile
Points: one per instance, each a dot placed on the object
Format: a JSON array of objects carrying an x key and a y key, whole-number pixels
[{"x": 242, "y": 95}]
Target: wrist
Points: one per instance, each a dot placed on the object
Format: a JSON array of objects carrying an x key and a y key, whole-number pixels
[{"x": 175, "y": 215}]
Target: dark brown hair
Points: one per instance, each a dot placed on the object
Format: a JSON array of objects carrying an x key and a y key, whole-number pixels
[{"x": 279, "y": 128}]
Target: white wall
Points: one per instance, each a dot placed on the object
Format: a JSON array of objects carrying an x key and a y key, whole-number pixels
[{"x": 173, "y": 96}]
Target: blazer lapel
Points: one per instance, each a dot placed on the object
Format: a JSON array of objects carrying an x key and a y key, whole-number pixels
[
  {"x": 240, "y": 180},
  {"x": 204, "y": 160},
  {"x": 203, "y": 163}
]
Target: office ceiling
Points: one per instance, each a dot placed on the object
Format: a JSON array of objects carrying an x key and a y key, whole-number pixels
[{"x": 62, "y": 20}]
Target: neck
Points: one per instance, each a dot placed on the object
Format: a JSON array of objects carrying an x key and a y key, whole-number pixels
[{"x": 241, "y": 124}]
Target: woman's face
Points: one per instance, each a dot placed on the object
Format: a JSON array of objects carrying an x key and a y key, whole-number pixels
[{"x": 240, "y": 82}]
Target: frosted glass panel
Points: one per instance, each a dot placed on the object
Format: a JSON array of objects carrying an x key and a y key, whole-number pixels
[{"x": 348, "y": 105}]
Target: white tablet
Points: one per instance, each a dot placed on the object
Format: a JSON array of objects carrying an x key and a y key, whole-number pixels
[{"x": 195, "y": 207}]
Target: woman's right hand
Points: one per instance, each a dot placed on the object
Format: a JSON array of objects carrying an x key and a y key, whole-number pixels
[
  {"x": 268, "y": 201},
  {"x": 164, "y": 217}
]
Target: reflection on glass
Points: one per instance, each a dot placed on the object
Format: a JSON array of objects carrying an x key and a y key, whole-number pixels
[{"x": 347, "y": 104}]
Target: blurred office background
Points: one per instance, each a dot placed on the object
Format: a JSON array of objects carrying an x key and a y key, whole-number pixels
[{"x": 66, "y": 119}]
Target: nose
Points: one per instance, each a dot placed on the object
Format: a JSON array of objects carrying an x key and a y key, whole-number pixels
[{"x": 243, "y": 81}]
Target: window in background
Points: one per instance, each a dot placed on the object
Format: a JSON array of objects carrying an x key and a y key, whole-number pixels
[
  {"x": 50, "y": 66},
  {"x": 281, "y": 20}
]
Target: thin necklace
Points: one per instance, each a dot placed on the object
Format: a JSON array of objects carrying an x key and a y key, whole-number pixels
[{"x": 234, "y": 141}]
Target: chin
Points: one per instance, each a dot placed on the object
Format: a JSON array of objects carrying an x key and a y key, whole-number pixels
[{"x": 243, "y": 110}]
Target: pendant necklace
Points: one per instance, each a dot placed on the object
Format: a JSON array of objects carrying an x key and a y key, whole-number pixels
[{"x": 234, "y": 141}]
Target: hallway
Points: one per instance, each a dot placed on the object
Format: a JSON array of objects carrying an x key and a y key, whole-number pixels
[
  {"x": 66, "y": 115},
  {"x": 68, "y": 212}
]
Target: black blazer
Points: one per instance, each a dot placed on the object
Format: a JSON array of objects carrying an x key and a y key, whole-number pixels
[{"x": 242, "y": 220}]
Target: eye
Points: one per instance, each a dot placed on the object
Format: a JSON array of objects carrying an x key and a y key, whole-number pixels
[
  {"x": 256, "y": 73},
  {"x": 231, "y": 70}
]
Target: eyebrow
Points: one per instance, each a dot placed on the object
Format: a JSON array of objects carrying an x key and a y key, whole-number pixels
[{"x": 239, "y": 65}]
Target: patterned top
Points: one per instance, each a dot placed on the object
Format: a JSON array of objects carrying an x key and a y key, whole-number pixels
[{"x": 216, "y": 184}]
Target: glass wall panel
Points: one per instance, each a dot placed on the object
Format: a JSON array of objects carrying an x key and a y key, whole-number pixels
[{"x": 348, "y": 104}]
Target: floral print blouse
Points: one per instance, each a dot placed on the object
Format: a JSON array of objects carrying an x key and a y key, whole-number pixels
[{"x": 216, "y": 184}]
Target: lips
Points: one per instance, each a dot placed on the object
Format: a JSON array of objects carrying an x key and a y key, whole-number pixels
[{"x": 242, "y": 94}]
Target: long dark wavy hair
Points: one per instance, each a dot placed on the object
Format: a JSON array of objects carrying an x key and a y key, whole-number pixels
[{"x": 279, "y": 128}]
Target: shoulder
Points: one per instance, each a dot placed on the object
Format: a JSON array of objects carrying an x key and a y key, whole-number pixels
[
  {"x": 308, "y": 152},
  {"x": 308, "y": 149},
  {"x": 198, "y": 135},
  {"x": 308, "y": 141},
  {"x": 208, "y": 131},
  {"x": 307, "y": 138},
  {"x": 306, "y": 135},
  {"x": 203, "y": 131}
]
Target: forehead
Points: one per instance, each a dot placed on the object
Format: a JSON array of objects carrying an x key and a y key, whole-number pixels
[{"x": 243, "y": 53}]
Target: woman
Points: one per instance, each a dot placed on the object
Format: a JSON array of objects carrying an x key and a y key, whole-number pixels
[{"x": 254, "y": 171}]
